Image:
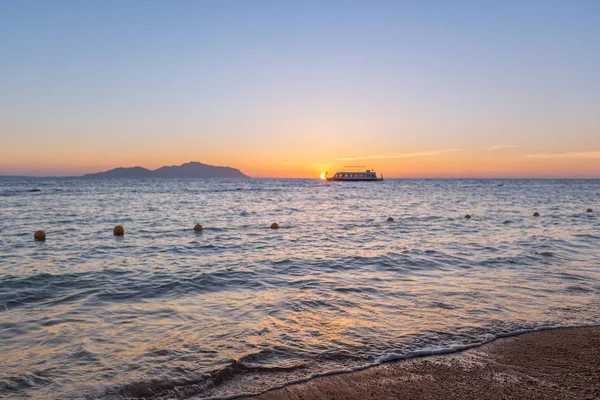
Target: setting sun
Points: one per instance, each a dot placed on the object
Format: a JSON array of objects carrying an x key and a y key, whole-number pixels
[{"x": 323, "y": 175}]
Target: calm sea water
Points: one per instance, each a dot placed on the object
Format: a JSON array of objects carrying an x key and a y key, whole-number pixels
[{"x": 165, "y": 312}]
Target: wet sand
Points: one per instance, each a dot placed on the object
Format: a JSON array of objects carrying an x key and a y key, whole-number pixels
[{"x": 552, "y": 364}]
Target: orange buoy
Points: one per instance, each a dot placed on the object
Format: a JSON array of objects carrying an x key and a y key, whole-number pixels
[
  {"x": 468, "y": 216},
  {"x": 390, "y": 219},
  {"x": 536, "y": 214},
  {"x": 118, "y": 231},
  {"x": 40, "y": 235},
  {"x": 274, "y": 225},
  {"x": 198, "y": 227}
]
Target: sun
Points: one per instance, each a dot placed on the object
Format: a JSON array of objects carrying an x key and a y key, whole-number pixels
[{"x": 323, "y": 175}]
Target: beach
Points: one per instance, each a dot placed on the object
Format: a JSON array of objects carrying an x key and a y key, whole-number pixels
[{"x": 551, "y": 364}]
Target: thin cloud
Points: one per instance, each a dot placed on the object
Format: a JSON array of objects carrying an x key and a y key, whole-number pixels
[
  {"x": 404, "y": 155},
  {"x": 503, "y": 146},
  {"x": 569, "y": 155}
]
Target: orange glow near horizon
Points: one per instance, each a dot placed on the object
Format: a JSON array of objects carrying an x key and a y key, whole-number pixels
[
  {"x": 301, "y": 148},
  {"x": 483, "y": 163}
]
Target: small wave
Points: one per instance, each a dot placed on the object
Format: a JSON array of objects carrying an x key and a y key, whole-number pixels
[
  {"x": 18, "y": 384},
  {"x": 195, "y": 384},
  {"x": 586, "y": 236},
  {"x": 545, "y": 254},
  {"x": 113, "y": 286},
  {"x": 571, "y": 277},
  {"x": 157, "y": 388},
  {"x": 439, "y": 304},
  {"x": 357, "y": 289},
  {"x": 408, "y": 355},
  {"x": 578, "y": 288}
]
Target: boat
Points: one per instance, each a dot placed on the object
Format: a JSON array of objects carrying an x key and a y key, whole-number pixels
[{"x": 354, "y": 176}]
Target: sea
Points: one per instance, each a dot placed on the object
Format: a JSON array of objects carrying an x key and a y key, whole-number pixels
[{"x": 165, "y": 312}]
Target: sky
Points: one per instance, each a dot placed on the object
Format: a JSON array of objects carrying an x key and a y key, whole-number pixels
[{"x": 494, "y": 89}]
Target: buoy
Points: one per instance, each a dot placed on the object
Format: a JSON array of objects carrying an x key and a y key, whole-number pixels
[
  {"x": 198, "y": 227},
  {"x": 390, "y": 219},
  {"x": 274, "y": 225},
  {"x": 40, "y": 235},
  {"x": 468, "y": 216},
  {"x": 536, "y": 214},
  {"x": 119, "y": 231},
  {"x": 589, "y": 210}
]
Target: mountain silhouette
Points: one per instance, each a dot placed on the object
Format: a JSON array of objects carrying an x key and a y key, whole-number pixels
[{"x": 187, "y": 170}]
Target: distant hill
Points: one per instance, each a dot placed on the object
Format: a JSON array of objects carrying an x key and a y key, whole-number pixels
[{"x": 188, "y": 170}]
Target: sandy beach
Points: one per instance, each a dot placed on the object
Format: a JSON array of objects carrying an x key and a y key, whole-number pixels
[{"x": 552, "y": 364}]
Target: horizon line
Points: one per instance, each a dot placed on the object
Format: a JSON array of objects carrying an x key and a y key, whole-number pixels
[{"x": 2, "y": 176}]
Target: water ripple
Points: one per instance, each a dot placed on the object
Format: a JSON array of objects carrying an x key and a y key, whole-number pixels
[{"x": 166, "y": 312}]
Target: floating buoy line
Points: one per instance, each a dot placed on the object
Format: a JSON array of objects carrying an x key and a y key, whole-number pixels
[{"x": 118, "y": 230}]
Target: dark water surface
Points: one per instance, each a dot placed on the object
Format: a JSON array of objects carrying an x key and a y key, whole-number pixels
[{"x": 165, "y": 312}]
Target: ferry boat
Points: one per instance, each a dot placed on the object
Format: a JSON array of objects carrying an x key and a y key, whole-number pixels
[{"x": 352, "y": 176}]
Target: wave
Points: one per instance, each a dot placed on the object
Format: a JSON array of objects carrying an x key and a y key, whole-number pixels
[
  {"x": 404, "y": 356},
  {"x": 160, "y": 312},
  {"x": 114, "y": 286},
  {"x": 198, "y": 384}
]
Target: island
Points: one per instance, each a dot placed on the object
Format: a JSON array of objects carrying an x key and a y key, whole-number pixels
[{"x": 187, "y": 170}]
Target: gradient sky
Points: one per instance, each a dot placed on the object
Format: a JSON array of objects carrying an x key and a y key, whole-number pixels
[{"x": 293, "y": 89}]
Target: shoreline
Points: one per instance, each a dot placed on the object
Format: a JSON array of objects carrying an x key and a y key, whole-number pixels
[{"x": 553, "y": 363}]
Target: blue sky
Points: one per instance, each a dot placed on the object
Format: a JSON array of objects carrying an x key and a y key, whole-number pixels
[{"x": 288, "y": 88}]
